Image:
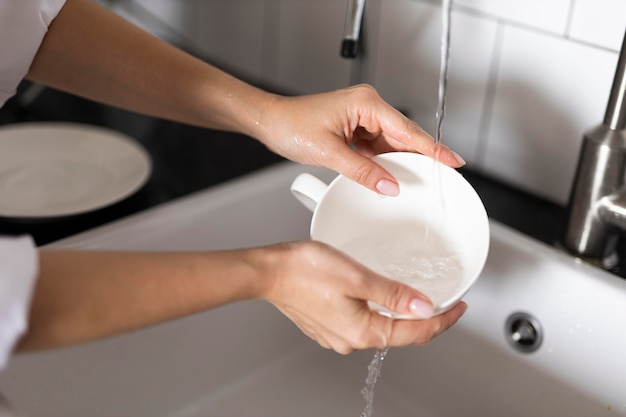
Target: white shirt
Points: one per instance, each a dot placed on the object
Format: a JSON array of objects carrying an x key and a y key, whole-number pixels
[
  {"x": 23, "y": 24},
  {"x": 18, "y": 271}
]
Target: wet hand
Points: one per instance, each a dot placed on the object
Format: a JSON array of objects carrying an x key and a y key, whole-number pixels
[
  {"x": 342, "y": 129},
  {"x": 325, "y": 293}
]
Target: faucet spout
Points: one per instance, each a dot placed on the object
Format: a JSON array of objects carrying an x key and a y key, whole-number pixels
[
  {"x": 597, "y": 205},
  {"x": 351, "y": 42}
]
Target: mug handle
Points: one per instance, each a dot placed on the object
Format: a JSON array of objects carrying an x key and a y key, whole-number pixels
[{"x": 308, "y": 189}]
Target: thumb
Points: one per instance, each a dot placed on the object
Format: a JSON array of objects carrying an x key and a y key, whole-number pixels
[
  {"x": 366, "y": 172},
  {"x": 398, "y": 297}
]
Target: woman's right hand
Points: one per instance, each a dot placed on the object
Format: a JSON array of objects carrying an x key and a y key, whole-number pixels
[{"x": 325, "y": 293}]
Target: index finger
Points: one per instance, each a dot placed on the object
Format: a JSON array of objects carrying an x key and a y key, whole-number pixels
[{"x": 400, "y": 128}]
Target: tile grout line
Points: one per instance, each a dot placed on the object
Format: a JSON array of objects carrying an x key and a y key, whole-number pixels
[
  {"x": 570, "y": 18},
  {"x": 529, "y": 27},
  {"x": 490, "y": 93}
]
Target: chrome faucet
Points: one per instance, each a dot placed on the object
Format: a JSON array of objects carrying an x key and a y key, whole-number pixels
[
  {"x": 597, "y": 205},
  {"x": 351, "y": 42}
]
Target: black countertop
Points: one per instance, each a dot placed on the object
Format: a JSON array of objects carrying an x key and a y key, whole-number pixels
[{"x": 187, "y": 159}]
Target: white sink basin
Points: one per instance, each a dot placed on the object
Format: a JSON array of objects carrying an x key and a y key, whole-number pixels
[{"x": 246, "y": 359}]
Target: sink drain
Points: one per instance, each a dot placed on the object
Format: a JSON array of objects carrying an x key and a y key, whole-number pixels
[{"x": 523, "y": 332}]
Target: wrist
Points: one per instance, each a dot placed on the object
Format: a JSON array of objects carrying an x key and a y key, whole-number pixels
[
  {"x": 252, "y": 112},
  {"x": 266, "y": 262},
  {"x": 234, "y": 105}
]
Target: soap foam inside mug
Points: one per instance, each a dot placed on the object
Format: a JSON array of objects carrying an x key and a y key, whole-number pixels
[{"x": 434, "y": 236}]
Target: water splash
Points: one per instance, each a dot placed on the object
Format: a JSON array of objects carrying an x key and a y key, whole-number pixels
[
  {"x": 427, "y": 261},
  {"x": 373, "y": 373}
]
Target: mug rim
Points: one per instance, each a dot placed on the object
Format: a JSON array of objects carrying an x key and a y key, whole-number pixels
[{"x": 482, "y": 240}]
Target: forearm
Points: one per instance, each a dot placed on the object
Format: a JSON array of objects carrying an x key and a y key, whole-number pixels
[
  {"x": 82, "y": 295},
  {"x": 91, "y": 52}
]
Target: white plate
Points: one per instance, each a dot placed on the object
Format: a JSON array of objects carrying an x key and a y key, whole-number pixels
[{"x": 60, "y": 169}]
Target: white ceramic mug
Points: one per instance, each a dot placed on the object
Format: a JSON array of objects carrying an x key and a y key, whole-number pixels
[{"x": 433, "y": 236}]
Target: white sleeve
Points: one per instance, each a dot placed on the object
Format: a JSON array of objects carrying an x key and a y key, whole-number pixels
[
  {"x": 23, "y": 24},
  {"x": 18, "y": 273}
]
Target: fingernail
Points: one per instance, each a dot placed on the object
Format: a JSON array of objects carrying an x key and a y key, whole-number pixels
[
  {"x": 386, "y": 187},
  {"x": 421, "y": 309},
  {"x": 458, "y": 158}
]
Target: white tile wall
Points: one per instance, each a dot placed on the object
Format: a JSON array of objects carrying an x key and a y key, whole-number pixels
[
  {"x": 541, "y": 80},
  {"x": 549, "y": 91},
  {"x": 167, "y": 10},
  {"x": 407, "y": 58},
  {"x": 310, "y": 33},
  {"x": 600, "y": 22},
  {"x": 550, "y": 15},
  {"x": 527, "y": 77},
  {"x": 228, "y": 32},
  {"x": 231, "y": 32},
  {"x": 407, "y": 68}
]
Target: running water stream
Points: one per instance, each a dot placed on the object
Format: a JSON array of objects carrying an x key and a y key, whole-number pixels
[
  {"x": 373, "y": 373},
  {"x": 446, "y": 15},
  {"x": 375, "y": 366}
]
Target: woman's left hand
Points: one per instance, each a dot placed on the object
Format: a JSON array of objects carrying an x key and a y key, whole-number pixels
[{"x": 341, "y": 130}]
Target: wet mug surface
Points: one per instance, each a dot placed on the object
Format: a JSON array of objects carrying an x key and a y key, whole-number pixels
[{"x": 433, "y": 236}]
